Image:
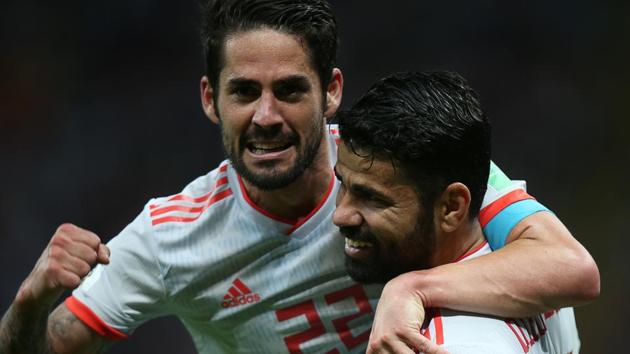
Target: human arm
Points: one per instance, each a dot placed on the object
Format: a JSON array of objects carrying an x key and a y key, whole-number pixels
[
  {"x": 27, "y": 331},
  {"x": 27, "y": 326},
  {"x": 543, "y": 267}
]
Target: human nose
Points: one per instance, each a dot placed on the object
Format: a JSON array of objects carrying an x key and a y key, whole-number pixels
[
  {"x": 267, "y": 114},
  {"x": 346, "y": 214}
]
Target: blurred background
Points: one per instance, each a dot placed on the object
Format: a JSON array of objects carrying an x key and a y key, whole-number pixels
[{"x": 100, "y": 111}]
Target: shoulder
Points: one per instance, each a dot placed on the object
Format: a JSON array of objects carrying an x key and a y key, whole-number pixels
[
  {"x": 505, "y": 204},
  {"x": 167, "y": 229},
  {"x": 196, "y": 200},
  {"x": 502, "y": 188},
  {"x": 173, "y": 218}
]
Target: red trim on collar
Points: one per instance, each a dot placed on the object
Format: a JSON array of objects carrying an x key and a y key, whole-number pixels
[
  {"x": 321, "y": 203},
  {"x": 295, "y": 224},
  {"x": 471, "y": 252}
]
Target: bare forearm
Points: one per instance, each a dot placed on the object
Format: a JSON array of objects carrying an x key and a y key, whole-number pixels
[
  {"x": 504, "y": 287},
  {"x": 23, "y": 332},
  {"x": 530, "y": 275},
  {"x": 28, "y": 327}
]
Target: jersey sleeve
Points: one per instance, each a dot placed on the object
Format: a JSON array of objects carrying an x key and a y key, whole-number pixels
[
  {"x": 505, "y": 204},
  {"x": 116, "y": 298}
]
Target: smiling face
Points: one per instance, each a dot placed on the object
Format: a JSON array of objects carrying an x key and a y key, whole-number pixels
[
  {"x": 270, "y": 106},
  {"x": 387, "y": 230}
]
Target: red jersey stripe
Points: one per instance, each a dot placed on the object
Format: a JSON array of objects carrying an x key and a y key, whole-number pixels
[
  {"x": 520, "y": 329},
  {"x": 490, "y": 211},
  {"x": 520, "y": 340},
  {"x": 184, "y": 198},
  {"x": 182, "y": 208},
  {"x": 439, "y": 328},
  {"x": 185, "y": 208},
  {"x": 217, "y": 197},
  {"x": 220, "y": 182},
  {"x": 91, "y": 320}
]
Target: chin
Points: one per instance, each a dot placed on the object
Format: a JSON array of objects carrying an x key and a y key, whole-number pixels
[
  {"x": 268, "y": 176},
  {"x": 367, "y": 273}
]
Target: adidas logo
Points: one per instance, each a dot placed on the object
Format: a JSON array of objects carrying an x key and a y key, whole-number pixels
[{"x": 239, "y": 294}]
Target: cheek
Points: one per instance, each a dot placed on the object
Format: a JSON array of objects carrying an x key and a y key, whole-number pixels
[
  {"x": 235, "y": 120},
  {"x": 382, "y": 227},
  {"x": 303, "y": 117},
  {"x": 235, "y": 112},
  {"x": 400, "y": 222},
  {"x": 395, "y": 230}
]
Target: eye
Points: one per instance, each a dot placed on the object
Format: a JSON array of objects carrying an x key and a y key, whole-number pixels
[
  {"x": 245, "y": 93},
  {"x": 288, "y": 94},
  {"x": 370, "y": 197},
  {"x": 291, "y": 91}
]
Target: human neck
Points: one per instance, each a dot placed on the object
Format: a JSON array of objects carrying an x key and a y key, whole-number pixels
[
  {"x": 300, "y": 197},
  {"x": 450, "y": 247}
]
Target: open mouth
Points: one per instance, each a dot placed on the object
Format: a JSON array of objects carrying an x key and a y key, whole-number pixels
[
  {"x": 357, "y": 244},
  {"x": 266, "y": 148},
  {"x": 358, "y": 249}
]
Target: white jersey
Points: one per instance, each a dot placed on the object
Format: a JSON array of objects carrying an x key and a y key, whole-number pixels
[
  {"x": 459, "y": 332},
  {"x": 239, "y": 278}
]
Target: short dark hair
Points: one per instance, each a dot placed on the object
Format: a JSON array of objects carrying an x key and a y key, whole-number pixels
[
  {"x": 431, "y": 124},
  {"x": 311, "y": 20}
]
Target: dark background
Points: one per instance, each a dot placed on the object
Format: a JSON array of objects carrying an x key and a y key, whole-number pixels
[{"x": 100, "y": 110}]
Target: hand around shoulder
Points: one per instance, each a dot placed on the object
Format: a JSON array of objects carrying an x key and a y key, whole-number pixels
[{"x": 398, "y": 320}]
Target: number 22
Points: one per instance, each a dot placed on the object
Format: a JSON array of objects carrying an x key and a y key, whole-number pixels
[{"x": 307, "y": 309}]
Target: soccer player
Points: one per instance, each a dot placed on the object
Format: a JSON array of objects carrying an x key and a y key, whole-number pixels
[
  {"x": 241, "y": 255},
  {"x": 413, "y": 162}
]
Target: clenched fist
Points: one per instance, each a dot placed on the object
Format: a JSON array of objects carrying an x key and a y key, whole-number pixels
[{"x": 70, "y": 255}]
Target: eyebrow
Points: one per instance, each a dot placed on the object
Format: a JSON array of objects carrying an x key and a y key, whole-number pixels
[
  {"x": 366, "y": 190},
  {"x": 300, "y": 81},
  {"x": 239, "y": 81},
  {"x": 363, "y": 189},
  {"x": 297, "y": 80}
]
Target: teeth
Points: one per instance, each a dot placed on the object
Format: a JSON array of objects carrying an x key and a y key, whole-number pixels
[
  {"x": 356, "y": 243},
  {"x": 267, "y": 146}
]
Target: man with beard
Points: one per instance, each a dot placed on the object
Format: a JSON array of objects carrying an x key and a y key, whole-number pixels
[
  {"x": 240, "y": 256},
  {"x": 413, "y": 161}
]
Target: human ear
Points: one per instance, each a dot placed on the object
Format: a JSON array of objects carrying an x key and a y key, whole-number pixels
[
  {"x": 207, "y": 100},
  {"x": 453, "y": 207},
  {"x": 334, "y": 92}
]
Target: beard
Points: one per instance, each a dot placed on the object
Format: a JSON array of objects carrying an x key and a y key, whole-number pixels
[
  {"x": 388, "y": 264},
  {"x": 268, "y": 177},
  {"x": 372, "y": 270}
]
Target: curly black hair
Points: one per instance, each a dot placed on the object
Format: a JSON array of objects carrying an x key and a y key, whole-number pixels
[{"x": 431, "y": 124}]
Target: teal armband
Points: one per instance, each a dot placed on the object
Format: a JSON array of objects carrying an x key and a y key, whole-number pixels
[{"x": 498, "y": 229}]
